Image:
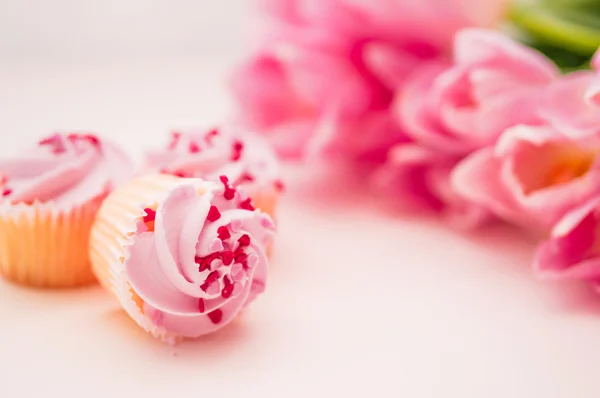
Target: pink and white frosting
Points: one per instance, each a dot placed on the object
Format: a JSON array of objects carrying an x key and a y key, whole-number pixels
[
  {"x": 245, "y": 159},
  {"x": 198, "y": 258},
  {"x": 65, "y": 169}
]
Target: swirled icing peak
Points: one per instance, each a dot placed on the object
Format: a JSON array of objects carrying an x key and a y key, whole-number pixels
[
  {"x": 198, "y": 257},
  {"x": 65, "y": 169}
]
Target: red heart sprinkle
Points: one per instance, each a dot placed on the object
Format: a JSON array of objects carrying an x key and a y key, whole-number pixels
[
  {"x": 227, "y": 290},
  {"x": 279, "y": 186},
  {"x": 238, "y": 147},
  {"x": 174, "y": 140},
  {"x": 213, "y": 214},
  {"x": 213, "y": 276},
  {"x": 194, "y": 148},
  {"x": 150, "y": 215},
  {"x": 244, "y": 240},
  {"x": 216, "y": 316},
  {"x": 94, "y": 140},
  {"x": 241, "y": 258},
  {"x": 210, "y": 135},
  {"x": 247, "y": 205},
  {"x": 227, "y": 257},
  {"x": 223, "y": 232}
]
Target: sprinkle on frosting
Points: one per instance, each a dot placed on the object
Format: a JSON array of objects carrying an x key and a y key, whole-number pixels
[
  {"x": 216, "y": 316},
  {"x": 227, "y": 290},
  {"x": 244, "y": 240},
  {"x": 5, "y": 190},
  {"x": 205, "y": 263},
  {"x": 212, "y": 278},
  {"x": 227, "y": 257},
  {"x": 175, "y": 137},
  {"x": 245, "y": 177},
  {"x": 52, "y": 140},
  {"x": 223, "y": 232},
  {"x": 210, "y": 135},
  {"x": 238, "y": 147},
  {"x": 241, "y": 258},
  {"x": 266, "y": 221},
  {"x": 150, "y": 215},
  {"x": 89, "y": 138},
  {"x": 229, "y": 192},
  {"x": 213, "y": 214},
  {"x": 247, "y": 204},
  {"x": 149, "y": 218},
  {"x": 194, "y": 148},
  {"x": 279, "y": 186},
  {"x": 93, "y": 139},
  {"x": 216, "y": 245},
  {"x": 56, "y": 144},
  {"x": 179, "y": 174}
]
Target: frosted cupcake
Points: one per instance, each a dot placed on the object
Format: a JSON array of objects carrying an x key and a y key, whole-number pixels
[
  {"x": 248, "y": 162},
  {"x": 182, "y": 256},
  {"x": 49, "y": 197}
]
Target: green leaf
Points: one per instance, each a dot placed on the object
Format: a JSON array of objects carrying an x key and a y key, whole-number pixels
[{"x": 567, "y": 31}]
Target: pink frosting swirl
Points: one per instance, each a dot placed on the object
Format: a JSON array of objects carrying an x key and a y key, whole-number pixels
[
  {"x": 199, "y": 258},
  {"x": 245, "y": 159},
  {"x": 65, "y": 169}
]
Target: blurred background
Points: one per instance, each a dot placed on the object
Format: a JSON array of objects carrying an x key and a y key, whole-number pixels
[
  {"x": 133, "y": 68},
  {"x": 116, "y": 30}
]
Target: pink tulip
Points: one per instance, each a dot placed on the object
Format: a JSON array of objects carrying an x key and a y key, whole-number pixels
[
  {"x": 494, "y": 83},
  {"x": 448, "y": 110},
  {"x": 573, "y": 250},
  {"x": 270, "y": 93},
  {"x": 419, "y": 178},
  {"x": 532, "y": 176},
  {"x": 572, "y": 104},
  {"x": 325, "y": 80}
]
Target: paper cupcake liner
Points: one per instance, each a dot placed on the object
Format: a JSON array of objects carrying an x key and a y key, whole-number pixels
[
  {"x": 111, "y": 236},
  {"x": 43, "y": 246},
  {"x": 266, "y": 200}
]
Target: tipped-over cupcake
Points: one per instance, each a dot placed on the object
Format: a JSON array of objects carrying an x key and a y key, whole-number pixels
[
  {"x": 182, "y": 256},
  {"x": 50, "y": 194},
  {"x": 246, "y": 160}
]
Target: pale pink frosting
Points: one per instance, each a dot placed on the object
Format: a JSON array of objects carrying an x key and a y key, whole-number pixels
[
  {"x": 66, "y": 170},
  {"x": 203, "y": 262},
  {"x": 244, "y": 158}
]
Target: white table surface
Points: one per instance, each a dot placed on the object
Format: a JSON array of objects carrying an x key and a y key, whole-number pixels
[{"x": 359, "y": 303}]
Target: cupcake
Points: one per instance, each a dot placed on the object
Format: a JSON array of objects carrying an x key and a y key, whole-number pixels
[
  {"x": 49, "y": 197},
  {"x": 182, "y": 256},
  {"x": 245, "y": 160}
]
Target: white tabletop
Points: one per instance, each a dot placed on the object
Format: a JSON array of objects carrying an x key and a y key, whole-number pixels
[{"x": 359, "y": 302}]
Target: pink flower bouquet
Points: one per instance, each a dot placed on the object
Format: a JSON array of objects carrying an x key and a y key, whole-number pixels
[{"x": 447, "y": 115}]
